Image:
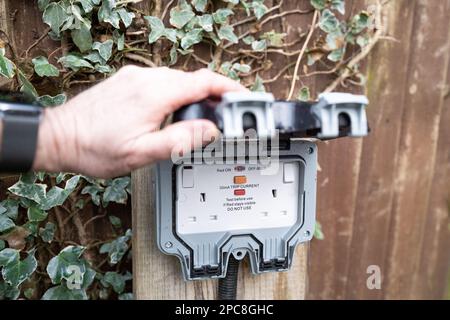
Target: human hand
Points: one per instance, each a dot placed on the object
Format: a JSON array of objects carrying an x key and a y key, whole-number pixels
[{"x": 113, "y": 128}]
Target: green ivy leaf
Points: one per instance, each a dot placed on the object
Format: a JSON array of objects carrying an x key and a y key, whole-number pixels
[
  {"x": 221, "y": 15},
  {"x": 6, "y": 66},
  {"x": 227, "y": 33},
  {"x": 259, "y": 45},
  {"x": 259, "y": 9},
  {"x": 9, "y": 207},
  {"x": 126, "y": 17},
  {"x": 57, "y": 196},
  {"x": 117, "y": 248},
  {"x": 104, "y": 49},
  {"x": 157, "y": 29},
  {"x": 116, "y": 191},
  {"x": 49, "y": 101},
  {"x": 94, "y": 191},
  {"x": 192, "y": 37},
  {"x": 274, "y": 38},
  {"x": 243, "y": 68},
  {"x": 248, "y": 40},
  {"x": 82, "y": 38},
  {"x": 74, "y": 62},
  {"x": 206, "y": 22},
  {"x": 304, "y": 94},
  {"x": 26, "y": 86},
  {"x": 43, "y": 68},
  {"x": 2, "y": 245},
  {"x": 28, "y": 293},
  {"x": 258, "y": 85},
  {"x": 61, "y": 292},
  {"x": 32, "y": 191},
  {"x": 318, "y": 234},
  {"x": 319, "y": 4},
  {"x": 328, "y": 21},
  {"x": 6, "y": 223},
  {"x": 200, "y": 5},
  {"x": 8, "y": 292},
  {"x": 108, "y": 14},
  {"x": 48, "y": 232},
  {"x": 42, "y": 4},
  {"x": 115, "y": 221},
  {"x": 115, "y": 280},
  {"x": 179, "y": 17},
  {"x": 126, "y": 296},
  {"x": 17, "y": 271},
  {"x": 36, "y": 214},
  {"x": 61, "y": 266},
  {"x": 55, "y": 15},
  {"x": 87, "y": 5},
  {"x": 336, "y": 55}
]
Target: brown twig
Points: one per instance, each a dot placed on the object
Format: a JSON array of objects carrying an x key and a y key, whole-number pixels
[
  {"x": 39, "y": 40},
  {"x": 140, "y": 59},
  {"x": 302, "y": 52}
]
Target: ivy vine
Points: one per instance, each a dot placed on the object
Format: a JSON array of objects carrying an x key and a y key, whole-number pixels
[{"x": 96, "y": 38}]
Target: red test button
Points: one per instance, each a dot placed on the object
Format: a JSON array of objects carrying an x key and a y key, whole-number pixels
[{"x": 239, "y": 192}]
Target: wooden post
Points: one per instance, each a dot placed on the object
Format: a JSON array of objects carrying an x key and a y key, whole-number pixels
[{"x": 158, "y": 276}]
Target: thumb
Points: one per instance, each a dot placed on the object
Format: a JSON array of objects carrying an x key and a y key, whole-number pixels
[{"x": 174, "y": 140}]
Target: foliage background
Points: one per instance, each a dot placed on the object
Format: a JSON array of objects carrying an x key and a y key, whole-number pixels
[{"x": 44, "y": 229}]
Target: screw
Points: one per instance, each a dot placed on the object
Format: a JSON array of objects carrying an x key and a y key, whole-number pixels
[
  {"x": 307, "y": 233},
  {"x": 168, "y": 244},
  {"x": 310, "y": 150}
]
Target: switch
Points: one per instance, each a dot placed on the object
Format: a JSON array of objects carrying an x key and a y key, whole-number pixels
[
  {"x": 240, "y": 179},
  {"x": 239, "y": 192},
  {"x": 187, "y": 177},
  {"x": 289, "y": 172}
]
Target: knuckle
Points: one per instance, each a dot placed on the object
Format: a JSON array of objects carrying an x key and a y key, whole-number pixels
[{"x": 129, "y": 70}]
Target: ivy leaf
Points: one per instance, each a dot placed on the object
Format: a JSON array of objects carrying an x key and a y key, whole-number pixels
[
  {"x": 304, "y": 94},
  {"x": 49, "y": 101},
  {"x": 192, "y": 37},
  {"x": 319, "y": 4},
  {"x": 93, "y": 191},
  {"x": 318, "y": 234},
  {"x": 104, "y": 48},
  {"x": 6, "y": 223},
  {"x": 8, "y": 256},
  {"x": 28, "y": 293},
  {"x": 48, "y": 232},
  {"x": 115, "y": 280},
  {"x": 116, "y": 191},
  {"x": 61, "y": 292},
  {"x": 17, "y": 271},
  {"x": 259, "y": 9},
  {"x": 2, "y": 245},
  {"x": 206, "y": 22},
  {"x": 227, "y": 33},
  {"x": 61, "y": 266},
  {"x": 26, "y": 86},
  {"x": 248, "y": 40},
  {"x": 336, "y": 55},
  {"x": 8, "y": 292},
  {"x": 258, "y": 85},
  {"x": 126, "y": 296},
  {"x": 57, "y": 196},
  {"x": 157, "y": 28},
  {"x": 36, "y": 214},
  {"x": 259, "y": 45},
  {"x": 9, "y": 207},
  {"x": 200, "y": 5},
  {"x": 55, "y": 15},
  {"x": 42, "y": 4},
  {"x": 359, "y": 22},
  {"x": 43, "y": 68},
  {"x": 126, "y": 17},
  {"x": 32, "y": 191},
  {"x": 6, "y": 66},
  {"x": 74, "y": 62},
  {"x": 115, "y": 221},
  {"x": 119, "y": 39},
  {"x": 106, "y": 13},
  {"x": 328, "y": 21},
  {"x": 274, "y": 38},
  {"x": 82, "y": 38},
  {"x": 87, "y": 5},
  {"x": 179, "y": 17},
  {"x": 243, "y": 68},
  {"x": 221, "y": 15},
  {"x": 117, "y": 248}
]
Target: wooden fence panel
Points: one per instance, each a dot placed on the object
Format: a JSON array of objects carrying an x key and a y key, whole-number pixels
[{"x": 382, "y": 201}]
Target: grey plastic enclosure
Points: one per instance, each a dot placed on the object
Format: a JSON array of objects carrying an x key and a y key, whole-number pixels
[
  {"x": 203, "y": 215},
  {"x": 205, "y": 254}
]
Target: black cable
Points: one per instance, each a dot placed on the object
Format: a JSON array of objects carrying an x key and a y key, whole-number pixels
[{"x": 228, "y": 285}]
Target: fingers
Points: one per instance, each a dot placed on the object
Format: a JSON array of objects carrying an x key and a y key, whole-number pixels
[{"x": 173, "y": 141}]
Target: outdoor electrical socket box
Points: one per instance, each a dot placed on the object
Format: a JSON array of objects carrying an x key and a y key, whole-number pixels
[{"x": 249, "y": 193}]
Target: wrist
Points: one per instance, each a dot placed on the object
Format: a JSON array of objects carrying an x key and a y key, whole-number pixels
[{"x": 53, "y": 141}]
